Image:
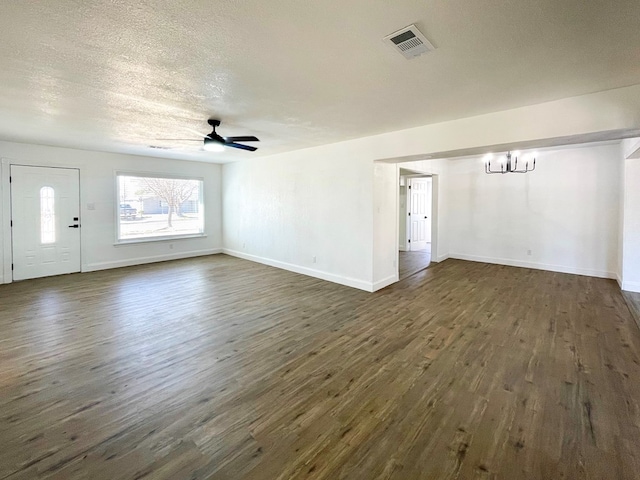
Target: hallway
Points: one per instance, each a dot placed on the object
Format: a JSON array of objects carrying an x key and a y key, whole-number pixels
[{"x": 412, "y": 262}]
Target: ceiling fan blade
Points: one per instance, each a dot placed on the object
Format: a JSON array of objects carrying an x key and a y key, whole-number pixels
[
  {"x": 245, "y": 138},
  {"x": 240, "y": 146}
]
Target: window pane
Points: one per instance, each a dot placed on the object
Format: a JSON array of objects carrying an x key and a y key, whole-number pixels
[
  {"x": 152, "y": 207},
  {"x": 47, "y": 215}
]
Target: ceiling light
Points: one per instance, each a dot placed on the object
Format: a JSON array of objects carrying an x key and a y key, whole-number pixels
[
  {"x": 509, "y": 164},
  {"x": 213, "y": 147}
]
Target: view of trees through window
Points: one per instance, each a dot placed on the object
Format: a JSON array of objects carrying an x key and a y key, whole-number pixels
[{"x": 157, "y": 207}]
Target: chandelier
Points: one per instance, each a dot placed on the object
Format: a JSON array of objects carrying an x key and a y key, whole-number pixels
[{"x": 509, "y": 163}]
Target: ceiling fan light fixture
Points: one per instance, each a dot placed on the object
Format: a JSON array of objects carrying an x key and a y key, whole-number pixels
[{"x": 212, "y": 146}]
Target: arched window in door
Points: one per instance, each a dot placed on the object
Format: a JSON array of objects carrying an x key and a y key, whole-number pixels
[{"x": 47, "y": 215}]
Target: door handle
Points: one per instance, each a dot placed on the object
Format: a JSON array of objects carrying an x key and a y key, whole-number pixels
[
  {"x": 425, "y": 217},
  {"x": 74, "y": 226}
]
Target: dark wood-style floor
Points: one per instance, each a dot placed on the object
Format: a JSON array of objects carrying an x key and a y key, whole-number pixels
[
  {"x": 221, "y": 368},
  {"x": 412, "y": 262},
  {"x": 633, "y": 301}
]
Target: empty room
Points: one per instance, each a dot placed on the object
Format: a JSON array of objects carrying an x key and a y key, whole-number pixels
[{"x": 338, "y": 240}]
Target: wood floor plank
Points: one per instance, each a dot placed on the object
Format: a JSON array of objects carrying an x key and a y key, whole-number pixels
[
  {"x": 412, "y": 262},
  {"x": 220, "y": 368}
]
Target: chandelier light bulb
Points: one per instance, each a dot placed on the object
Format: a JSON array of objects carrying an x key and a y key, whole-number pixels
[{"x": 509, "y": 163}]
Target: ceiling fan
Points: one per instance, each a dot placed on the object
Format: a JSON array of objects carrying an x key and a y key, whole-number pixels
[{"x": 216, "y": 143}]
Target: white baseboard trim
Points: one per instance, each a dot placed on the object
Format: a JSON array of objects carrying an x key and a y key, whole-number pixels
[
  {"x": 92, "y": 267},
  {"x": 441, "y": 258},
  {"x": 330, "y": 277},
  {"x": 619, "y": 280},
  {"x": 631, "y": 287},
  {"x": 538, "y": 266},
  {"x": 385, "y": 282}
]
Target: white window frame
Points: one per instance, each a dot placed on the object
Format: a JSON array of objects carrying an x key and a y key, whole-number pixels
[{"x": 163, "y": 238}]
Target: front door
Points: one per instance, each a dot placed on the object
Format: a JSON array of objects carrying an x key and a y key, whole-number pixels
[{"x": 45, "y": 218}]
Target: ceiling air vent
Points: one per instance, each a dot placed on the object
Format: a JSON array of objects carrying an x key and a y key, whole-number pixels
[{"x": 409, "y": 42}]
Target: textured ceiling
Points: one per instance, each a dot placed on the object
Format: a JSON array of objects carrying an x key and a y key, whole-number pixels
[{"x": 114, "y": 75}]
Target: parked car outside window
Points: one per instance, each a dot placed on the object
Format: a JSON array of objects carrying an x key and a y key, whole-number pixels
[{"x": 127, "y": 211}]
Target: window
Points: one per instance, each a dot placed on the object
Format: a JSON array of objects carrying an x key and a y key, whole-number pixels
[
  {"x": 47, "y": 215},
  {"x": 157, "y": 207}
]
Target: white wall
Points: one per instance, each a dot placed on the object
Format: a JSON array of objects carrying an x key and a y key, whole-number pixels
[
  {"x": 97, "y": 186},
  {"x": 385, "y": 224},
  {"x": 284, "y": 210},
  {"x": 565, "y": 212},
  {"x": 620, "y": 254},
  {"x": 631, "y": 217},
  {"x": 402, "y": 218}
]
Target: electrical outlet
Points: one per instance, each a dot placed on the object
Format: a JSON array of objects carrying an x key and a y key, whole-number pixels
[
  {"x": 314, "y": 259},
  {"x": 528, "y": 252},
  {"x": 171, "y": 246},
  {"x": 244, "y": 245}
]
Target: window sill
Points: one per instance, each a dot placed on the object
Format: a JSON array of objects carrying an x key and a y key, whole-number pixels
[{"x": 168, "y": 238}]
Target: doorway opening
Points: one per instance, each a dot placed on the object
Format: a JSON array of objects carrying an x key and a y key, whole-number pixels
[{"x": 414, "y": 222}]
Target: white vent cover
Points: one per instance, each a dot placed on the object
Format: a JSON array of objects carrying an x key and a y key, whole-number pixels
[{"x": 409, "y": 41}]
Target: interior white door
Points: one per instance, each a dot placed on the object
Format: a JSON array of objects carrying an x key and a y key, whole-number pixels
[
  {"x": 45, "y": 218},
  {"x": 428, "y": 209},
  {"x": 419, "y": 214}
]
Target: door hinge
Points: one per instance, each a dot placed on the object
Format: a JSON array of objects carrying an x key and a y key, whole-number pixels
[
  {"x": 12, "y": 223},
  {"x": 9, "y": 179},
  {"x": 12, "y": 266},
  {"x": 409, "y": 240},
  {"x": 409, "y": 213}
]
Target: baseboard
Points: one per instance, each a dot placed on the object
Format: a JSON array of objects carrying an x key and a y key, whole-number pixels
[
  {"x": 330, "y": 277},
  {"x": 619, "y": 280},
  {"x": 441, "y": 258},
  {"x": 537, "y": 266},
  {"x": 385, "y": 282},
  {"x": 92, "y": 267},
  {"x": 631, "y": 287}
]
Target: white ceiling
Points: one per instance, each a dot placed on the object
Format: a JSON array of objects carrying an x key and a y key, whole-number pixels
[{"x": 116, "y": 75}]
